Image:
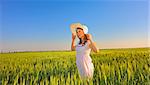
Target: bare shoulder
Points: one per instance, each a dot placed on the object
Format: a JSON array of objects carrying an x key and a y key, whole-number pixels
[{"x": 89, "y": 43}]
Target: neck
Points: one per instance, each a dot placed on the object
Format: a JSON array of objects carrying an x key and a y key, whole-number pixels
[{"x": 83, "y": 39}]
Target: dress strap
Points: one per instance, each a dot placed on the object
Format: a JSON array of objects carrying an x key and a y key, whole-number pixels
[{"x": 88, "y": 42}]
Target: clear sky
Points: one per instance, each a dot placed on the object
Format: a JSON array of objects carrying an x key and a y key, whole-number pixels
[{"x": 44, "y": 25}]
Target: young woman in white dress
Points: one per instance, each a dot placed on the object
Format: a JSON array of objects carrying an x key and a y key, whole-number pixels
[{"x": 83, "y": 49}]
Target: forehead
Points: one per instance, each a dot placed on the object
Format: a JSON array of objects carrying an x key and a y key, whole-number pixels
[{"x": 79, "y": 29}]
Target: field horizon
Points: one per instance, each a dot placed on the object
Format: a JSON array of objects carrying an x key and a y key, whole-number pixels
[{"x": 69, "y": 50}]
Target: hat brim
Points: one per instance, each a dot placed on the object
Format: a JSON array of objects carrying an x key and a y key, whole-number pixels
[{"x": 74, "y": 26}]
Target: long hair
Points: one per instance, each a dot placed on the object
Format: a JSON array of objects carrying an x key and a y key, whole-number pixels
[{"x": 85, "y": 38}]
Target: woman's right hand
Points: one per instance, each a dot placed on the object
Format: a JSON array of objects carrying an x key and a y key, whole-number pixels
[{"x": 73, "y": 36}]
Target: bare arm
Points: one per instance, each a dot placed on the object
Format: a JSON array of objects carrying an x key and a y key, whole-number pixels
[
  {"x": 92, "y": 44},
  {"x": 73, "y": 42}
]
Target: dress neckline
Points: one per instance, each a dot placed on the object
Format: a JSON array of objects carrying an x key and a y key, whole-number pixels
[{"x": 80, "y": 45}]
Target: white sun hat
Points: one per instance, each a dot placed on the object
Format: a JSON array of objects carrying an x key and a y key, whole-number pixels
[{"x": 74, "y": 26}]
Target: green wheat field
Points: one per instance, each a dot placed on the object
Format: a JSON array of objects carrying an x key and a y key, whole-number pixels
[{"x": 112, "y": 67}]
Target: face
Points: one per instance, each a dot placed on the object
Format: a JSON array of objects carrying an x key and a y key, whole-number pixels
[{"x": 80, "y": 33}]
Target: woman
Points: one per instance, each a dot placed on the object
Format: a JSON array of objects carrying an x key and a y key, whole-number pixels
[{"x": 83, "y": 49}]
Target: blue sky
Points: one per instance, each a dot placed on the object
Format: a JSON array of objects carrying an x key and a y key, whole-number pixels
[{"x": 44, "y": 25}]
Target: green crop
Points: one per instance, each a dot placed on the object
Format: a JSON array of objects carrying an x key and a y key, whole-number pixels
[{"x": 111, "y": 67}]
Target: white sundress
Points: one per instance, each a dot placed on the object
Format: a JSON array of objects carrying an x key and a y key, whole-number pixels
[{"x": 84, "y": 61}]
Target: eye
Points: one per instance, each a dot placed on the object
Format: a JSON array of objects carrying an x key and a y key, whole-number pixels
[{"x": 78, "y": 31}]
